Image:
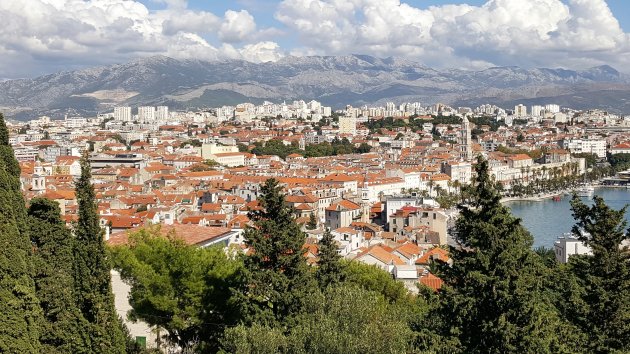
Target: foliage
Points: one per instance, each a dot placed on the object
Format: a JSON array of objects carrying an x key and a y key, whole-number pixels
[
  {"x": 329, "y": 268},
  {"x": 182, "y": 289},
  {"x": 312, "y": 222},
  {"x": 534, "y": 154},
  {"x": 591, "y": 159},
  {"x": 277, "y": 277},
  {"x": 104, "y": 122},
  {"x": 191, "y": 142},
  {"x": 492, "y": 301},
  {"x": 343, "y": 319},
  {"x": 119, "y": 139},
  {"x": 619, "y": 162},
  {"x": 336, "y": 147},
  {"x": 207, "y": 165},
  {"x": 364, "y": 148},
  {"x": 372, "y": 278},
  {"x": 415, "y": 123},
  {"x": 63, "y": 329},
  {"x": 92, "y": 271},
  {"x": 602, "y": 307},
  {"x": 21, "y": 313}
]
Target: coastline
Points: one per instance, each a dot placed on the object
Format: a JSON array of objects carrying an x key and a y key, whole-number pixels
[
  {"x": 534, "y": 198},
  {"x": 547, "y": 196}
]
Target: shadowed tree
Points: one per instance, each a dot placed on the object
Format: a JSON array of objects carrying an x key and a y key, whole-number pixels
[
  {"x": 277, "y": 277},
  {"x": 92, "y": 271},
  {"x": 493, "y": 300},
  {"x": 21, "y": 314},
  {"x": 329, "y": 268},
  {"x": 64, "y": 330},
  {"x": 601, "y": 307}
]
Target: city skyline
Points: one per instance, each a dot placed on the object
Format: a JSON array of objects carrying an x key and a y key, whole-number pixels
[{"x": 44, "y": 36}]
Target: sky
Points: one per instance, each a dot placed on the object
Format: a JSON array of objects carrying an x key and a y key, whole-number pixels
[{"x": 44, "y": 36}]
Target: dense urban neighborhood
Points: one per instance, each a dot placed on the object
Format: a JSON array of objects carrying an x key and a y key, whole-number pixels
[{"x": 379, "y": 184}]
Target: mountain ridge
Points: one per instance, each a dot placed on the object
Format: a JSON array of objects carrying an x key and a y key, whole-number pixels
[{"x": 334, "y": 80}]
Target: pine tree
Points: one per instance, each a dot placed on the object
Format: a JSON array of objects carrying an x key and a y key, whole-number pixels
[
  {"x": 21, "y": 314},
  {"x": 312, "y": 222},
  {"x": 92, "y": 271},
  {"x": 276, "y": 272},
  {"x": 602, "y": 306},
  {"x": 493, "y": 301},
  {"x": 329, "y": 269},
  {"x": 63, "y": 329}
]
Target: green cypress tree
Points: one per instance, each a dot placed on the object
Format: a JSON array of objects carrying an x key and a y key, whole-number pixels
[
  {"x": 63, "y": 329},
  {"x": 92, "y": 272},
  {"x": 493, "y": 301},
  {"x": 277, "y": 277},
  {"x": 21, "y": 314},
  {"x": 329, "y": 268},
  {"x": 601, "y": 306}
]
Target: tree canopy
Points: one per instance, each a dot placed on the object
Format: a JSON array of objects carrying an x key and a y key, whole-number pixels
[
  {"x": 182, "y": 289},
  {"x": 21, "y": 313},
  {"x": 92, "y": 271}
]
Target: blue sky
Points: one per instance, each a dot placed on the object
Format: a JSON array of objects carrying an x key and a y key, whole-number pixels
[
  {"x": 264, "y": 9},
  {"x": 43, "y": 36}
]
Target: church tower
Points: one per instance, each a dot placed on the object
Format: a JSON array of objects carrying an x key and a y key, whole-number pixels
[
  {"x": 365, "y": 201},
  {"x": 38, "y": 183},
  {"x": 465, "y": 141}
]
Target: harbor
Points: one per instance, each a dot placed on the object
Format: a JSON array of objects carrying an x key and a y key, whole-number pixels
[{"x": 547, "y": 219}]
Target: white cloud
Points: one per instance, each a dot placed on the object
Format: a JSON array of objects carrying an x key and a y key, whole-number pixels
[
  {"x": 237, "y": 26},
  {"x": 41, "y": 36},
  {"x": 500, "y": 32}
]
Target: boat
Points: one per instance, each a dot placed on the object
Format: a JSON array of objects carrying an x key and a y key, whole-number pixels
[
  {"x": 557, "y": 198},
  {"x": 585, "y": 191}
]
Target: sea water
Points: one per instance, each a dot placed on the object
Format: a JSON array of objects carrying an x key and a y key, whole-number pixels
[{"x": 548, "y": 219}]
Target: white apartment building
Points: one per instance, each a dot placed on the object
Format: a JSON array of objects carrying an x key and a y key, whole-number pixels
[
  {"x": 161, "y": 113},
  {"x": 552, "y": 108},
  {"x": 348, "y": 125},
  {"x": 594, "y": 146},
  {"x": 207, "y": 151},
  {"x": 75, "y": 122},
  {"x": 122, "y": 114},
  {"x": 568, "y": 245},
  {"x": 146, "y": 114},
  {"x": 520, "y": 110},
  {"x": 537, "y": 111}
]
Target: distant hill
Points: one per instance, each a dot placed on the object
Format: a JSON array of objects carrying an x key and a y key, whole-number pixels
[{"x": 333, "y": 80}]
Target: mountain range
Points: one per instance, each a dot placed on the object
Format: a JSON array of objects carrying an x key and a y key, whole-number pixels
[{"x": 334, "y": 80}]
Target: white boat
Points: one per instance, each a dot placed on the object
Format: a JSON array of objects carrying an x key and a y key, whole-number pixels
[{"x": 585, "y": 191}]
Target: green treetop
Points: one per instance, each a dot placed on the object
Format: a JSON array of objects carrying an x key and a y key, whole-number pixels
[
  {"x": 329, "y": 268},
  {"x": 602, "y": 306},
  {"x": 19, "y": 306},
  {"x": 277, "y": 275},
  {"x": 493, "y": 301},
  {"x": 92, "y": 271},
  {"x": 182, "y": 289},
  {"x": 64, "y": 329}
]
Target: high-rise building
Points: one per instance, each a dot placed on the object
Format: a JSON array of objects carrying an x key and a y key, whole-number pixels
[
  {"x": 122, "y": 114},
  {"x": 146, "y": 114},
  {"x": 552, "y": 108},
  {"x": 348, "y": 125},
  {"x": 520, "y": 110},
  {"x": 537, "y": 111},
  {"x": 161, "y": 113},
  {"x": 465, "y": 141}
]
